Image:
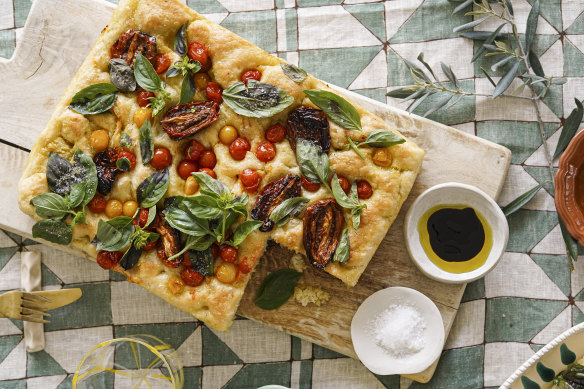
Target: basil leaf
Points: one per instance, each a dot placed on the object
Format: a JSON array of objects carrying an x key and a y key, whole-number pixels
[
  {"x": 58, "y": 174},
  {"x": 276, "y": 288},
  {"x": 79, "y": 218},
  {"x": 187, "y": 89},
  {"x": 257, "y": 100},
  {"x": 61, "y": 175},
  {"x": 343, "y": 248},
  {"x": 337, "y": 109},
  {"x": 202, "y": 261},
  {"x": 200, "y": 243},
  {"x": 383, "y": 138},
  {"x": 179, "y": 217},
  {"x": 77, "y": 194},
  {"x": 50, "y": 206},
  {"x": 96, "y": 98},
  {"x": 151, "y": 190},
  {"x": 123, "y": 164},
  {"x": 130, "y": 258},
  {"x": 113, "y": 235},
  {"x": 84, "y": 170},
  {"x": 209, "y": 185},
  {"x": 288, "y": 208},
  {"x": 313, "y": 162},
  {"x": 340, "y": 195},
  {"x": 151, "y": 216},
  {"x": 146, "y": 142},
  {"x": 172, "y": 71},
  {"x": 356, "y": 217},
  {"x": 353, "y": 146},
  {"x": 125, "y": 140},
  {"x": 180, "y": 40},
  {"x": 243, "y": 230},
  {"x": 54, "y": 231},
  {"x": 122, "y": 75},
  {"x": 145, "y": 74},
  {"x": 293, "y": 72},
  {"x": 202, "y": 206}
]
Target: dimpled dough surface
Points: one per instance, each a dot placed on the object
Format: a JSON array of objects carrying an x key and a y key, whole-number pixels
[{"x": 214, "y": 302}]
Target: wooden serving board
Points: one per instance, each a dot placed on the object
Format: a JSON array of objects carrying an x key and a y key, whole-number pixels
[{"x": 57, "y": 37}]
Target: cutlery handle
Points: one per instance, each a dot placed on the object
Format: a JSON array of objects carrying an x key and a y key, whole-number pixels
[{"x": 30, "y": 277}]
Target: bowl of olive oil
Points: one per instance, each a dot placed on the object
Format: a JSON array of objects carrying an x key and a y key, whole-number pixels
[{"x": 455, "y": 233}]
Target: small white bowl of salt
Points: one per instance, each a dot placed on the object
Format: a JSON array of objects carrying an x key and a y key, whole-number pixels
[{"x": 397, "y": 331}]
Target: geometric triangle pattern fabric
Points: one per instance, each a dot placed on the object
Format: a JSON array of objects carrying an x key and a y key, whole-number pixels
[{"x": 528, "y": 299}]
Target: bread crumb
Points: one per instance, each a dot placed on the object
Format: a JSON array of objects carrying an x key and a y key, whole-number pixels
[
  {"x": 306, "y": 294},
  {"x": 298, "y": 263}
]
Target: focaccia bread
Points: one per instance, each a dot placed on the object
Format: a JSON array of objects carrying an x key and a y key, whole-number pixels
[{"x": 377, "y": 176}]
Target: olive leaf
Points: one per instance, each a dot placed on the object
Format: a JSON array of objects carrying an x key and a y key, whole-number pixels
[
  {"x": 187, "y": 89},
  {"x": 531, "y": 25},
  {"x": 54, "y": 231},
  {"x": 447, "y": 70},
  {"x": 202, "y": 261},
  {"x": 94, "y": 99},
  {"x": 337, "y": 109},
  {"x": 287, "y": 209},
  {"x": 130, "y": 257},
  {"x": 114, "y": 234},
  {"x": 180, "y": 40},
  {"x": 276, "y": 288},
  {"x": 122, "y": 75},
  {"x": 438, "y": 105},
  {"x": 313, "y": 162},
  {"x": 571, "y": 126},
  {"x": 123, "y": 164},
  {"x": 482, "y": 35},
  {"x": 470, "y": 25},
  {"x": 535, "y": 64},
  {"x": 151, "y": 190},
  {"x": 506, "y": 80},
  {"x": 257, "y": 99},
  {"x": 125, "y": 140},
  {"x": 401, "y": 93},
  {"x": 343, "y": 248},
  {"x": 293, "y": 72},
  {"x": 243, "y": 230},
  {"x": 146, "y": 142},
  {"x": 522, "y": 200},
  {"x": 50, "y": 206},
  {"x": 571, "y": 244},
  {"x": 489, "y": 40}
]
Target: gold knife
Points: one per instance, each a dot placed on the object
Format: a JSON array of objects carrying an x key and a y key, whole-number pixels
[{"x": 59, "y": 297}]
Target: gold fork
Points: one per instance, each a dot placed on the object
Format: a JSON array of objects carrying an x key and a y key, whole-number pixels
[{"x": 24, "y": 306}]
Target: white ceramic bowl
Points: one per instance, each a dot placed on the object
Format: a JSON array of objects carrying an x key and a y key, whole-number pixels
[
  {"x": 453, "y": 193},
  {"x": 374, "y": 357}
]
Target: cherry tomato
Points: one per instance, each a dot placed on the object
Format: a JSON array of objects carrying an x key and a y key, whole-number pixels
[
  {"x": 208, "y": 159},
  {"x": 194, "y": 150},
  {"x": 199, "y": 52},
  {"x": 215, "y": 249},
  {"x": 150, "y": 245},
  {"x": 214, "y": 92},
  {"x": 160, "y": 63},
  {"x": 250, "y": 179},
  {"x": 208, "y": 171},
  {"x": 191, "y": 186},
  {"x": 276, "y": 133},
  {"x": 186, "y": 167},
  {"x": 345, "y": 185},
  {"x": 131, "y": 157},
  {"x": 364, "y": 190},
  {"x": 144, "y": 98},
  {"x": 228, "y": 254},
  {"x": 251, "y": 75},
  {"x": 113, "y": 208},
  {"x": 161, "y": 158},
  {"x": 309, "y": 185},
  {"x": 244, "y": 266},
  {"x": 186, "y": 261},
  {"x": 99, "y": 140},
  {"x": 238, "y": 148},
  {"x": 226, "y": 272},
  {"x": 108, "y": 259},
  {"x": 129, "y": 208},
  {"x": 191, "y": 277},
  {"x": 142, "y": 217},
  {"x": 97, "y": 203},
  {"x": 266, "y": 151}
]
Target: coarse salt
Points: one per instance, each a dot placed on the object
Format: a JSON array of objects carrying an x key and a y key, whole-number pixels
[{"x": 399, "y": 330}]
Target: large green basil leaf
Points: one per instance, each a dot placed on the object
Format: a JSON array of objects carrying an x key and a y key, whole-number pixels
[
  {"x": 54, "y": 231},
  {"x": 202, "y": 206},
  {"x": 79, "y": 218},
  {"x": 343, "y": 248},
  {"x": 293, "y": 72},
  {"x": 210, "y": 186},
  {"x": 179, "y": 217},
  {"x": 180, "y": 40},
  {"x": 276, "y": 288},
  {"x": 122, "y": 75},
  {"x": 130, "y": 258},
  {"x": 145, "y": 74},
  {"x": 337, "y": 109},
  {"x": 50, "y": 206},
  {"x": 146, "y": 142},
  {"x": 257, "y": 100},
  {"x": 243, "y": 230},
  {"x": 187, "y": 89},
  {"x": 77, "y": 194},
  {"x": 202, "y": 261},
  {"x": 288, "y": 208},
  {"x": 151, "y": 190},
  {"x": 85, "y": 171},
  {"x": 59, "y": 177},
  {"x": 96, "y": 98},
  {"x": 383, "y": 138},
  {"x": 313, "y": 162},
  {"x": 340, "y": 195},
  {"x": 115, "y": 234}
]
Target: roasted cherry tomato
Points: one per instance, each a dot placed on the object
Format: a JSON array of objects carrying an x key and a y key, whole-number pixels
[
  {"x": 238, "y": 148},
  {"x": 244, "y": 266},
  {"x": 186, "y": 167},
  {"x": 250, "y": 179},
  {"x": 194, "y": 150},
  {"x": 161, "y": 158},
  {"x": 190, "y": 277},
  {"x": 309, "y": 185},
  {"x": 266, "y": 151},
  {"x": 199, "y": 52},
  {"x": 142, "y": 217},
  {"x": 97, "y": 203},
  {"x": 228, "y": 254},
  {"x": 276, "y": 133},
  {"x": 208, "y": 159},
  {"x": 214, "y": 92},
  {"x": 208, "y": 171},
  {"x": 144, "y": 98},
  {"x": 161, "y": 63},
  {"x": 108, "y": 259},
  {"x": 251, "y": 75},
  {"x": 364, "y": 190},
  {"x": 150, "y": 245},
  {"x": 131, "y": 157},
  {"x": 345, "y": 184}
]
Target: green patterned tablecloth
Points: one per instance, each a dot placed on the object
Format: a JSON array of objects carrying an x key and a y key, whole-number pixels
[{"x": 530, "y": 297}]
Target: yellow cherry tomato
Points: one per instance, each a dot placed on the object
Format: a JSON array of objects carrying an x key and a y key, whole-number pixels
[
  {"x": 191, "y": 186},
  {"x": 141, "y": 115},
  {"x": 228, "y": 134},
  {"x": 226, "y": 272},
  {"x": 113, "y": 208},
  {"x": 129, "y": 208},
  {"x": 99, "y": 140},
  {"x": 201, "y": 80}
]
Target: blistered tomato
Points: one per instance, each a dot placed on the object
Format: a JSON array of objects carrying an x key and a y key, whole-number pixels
[
  {"x": 266, "y": 151},
  {"x": 364, "y": 190},
  {"x": 144, "y": 98},
  {"x": 97, "y": 203},
  {"x": 186, "y": 167},
  {"x": 161, "y": 63},
  {"x": 199, "y": 52},
  {"x": 276, "y": 133},
  {"x": 108, "y": 259},
  {"x": 194, "y": 150},
  {"x": 309, "y": 185},
  {"x": 238, "y": 148},
  {"x": 208, "y": 159},
  {"x": 130, "y": 156},
  {"x": 161, "y": 158},
  {"x": 214, "y": 92},
  {"x": 208, "y": 171},
  {"x": 250, "y": 179},
  {"x": 251, "y": 75},
  {"x": 190, "y": 277}
]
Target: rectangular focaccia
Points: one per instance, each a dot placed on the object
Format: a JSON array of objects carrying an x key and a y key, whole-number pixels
[{"x": 385, "y": 174}]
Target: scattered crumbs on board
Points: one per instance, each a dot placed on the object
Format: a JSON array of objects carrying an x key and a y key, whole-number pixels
[
  {"x": 306, "y": 294},
  {"x": 298, "y": 262}
]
